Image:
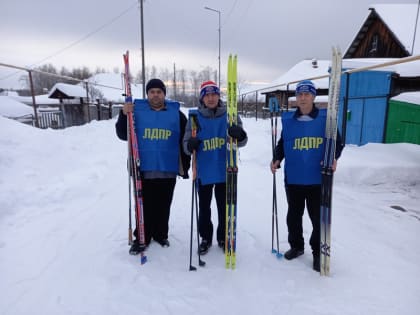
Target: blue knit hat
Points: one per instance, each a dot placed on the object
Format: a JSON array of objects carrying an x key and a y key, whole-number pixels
[
  {"x": 208, "y": 87},
  {"x": 306, "y": 86}
]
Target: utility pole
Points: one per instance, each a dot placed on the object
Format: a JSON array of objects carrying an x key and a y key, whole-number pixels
[
  {"x": 31, "y": 83},
  {"x": 143, "y": 70},
  {"x": 174, "y": 82},
  {"x": 220, "y": 35}
]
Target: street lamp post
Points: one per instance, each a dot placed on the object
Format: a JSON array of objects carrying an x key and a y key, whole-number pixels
[{"x": 219, "y": 13}]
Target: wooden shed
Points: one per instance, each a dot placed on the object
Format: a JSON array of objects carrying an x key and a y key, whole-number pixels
[
  {"x": 73, "y": 103},
  {"x": 364, "y": 105},
  {"x": 403, "y": 124}
]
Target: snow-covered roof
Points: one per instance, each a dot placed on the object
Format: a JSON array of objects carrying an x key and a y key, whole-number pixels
[
  {"x": 67, "y": 91},
  {"x": 304, "y": 70},
  {"x": 401, "y": 20},
  {"x": 408, "y": 97},
  {"x": 11, "y": 108},
  {"x": 300, "y": 71},
  {"x": 39, "y": 100}
]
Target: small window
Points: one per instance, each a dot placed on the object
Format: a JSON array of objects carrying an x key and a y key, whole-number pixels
[{"x": 373, "y": 47}]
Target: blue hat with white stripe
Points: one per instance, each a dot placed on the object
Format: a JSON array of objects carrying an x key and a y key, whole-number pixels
[{"x": 306, "y": 86}]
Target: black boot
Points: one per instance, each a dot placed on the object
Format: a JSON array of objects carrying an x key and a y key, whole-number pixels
[
  {"x": 293, "y": 253},
  {"x": 221, "y": 245},
  {"x": 316, "y": 265},
  {"x": 164, "y": 242},
  {"x": 137, "y": 248},
  {"x": 204, "y": 247}
]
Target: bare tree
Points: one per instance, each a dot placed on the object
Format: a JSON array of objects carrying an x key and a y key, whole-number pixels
[
  {"x": 152, "y": 73},
  {"x": 81, "y": 73},
  {"x": 188, "y": 82},
  {"x": 41, "y": 81},
  {"x": 100, "y": 70}
]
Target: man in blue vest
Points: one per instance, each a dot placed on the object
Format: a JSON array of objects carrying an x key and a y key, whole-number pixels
[
  {"x": 210, "y": 145},
  {"x": 160, "y": 127},
  {"x": 301, "y": 145}
]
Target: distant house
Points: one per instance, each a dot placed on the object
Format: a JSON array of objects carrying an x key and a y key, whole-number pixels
[
  {"x": 284, "y": 91},
  {"x": 366, "y": 113},
  {"x": 73, "y": 103},
  {"x": 389, "y": 31}
]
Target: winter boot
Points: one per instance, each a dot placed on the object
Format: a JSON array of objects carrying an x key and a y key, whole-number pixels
[
  {"x": 221, "y": 245},
  {"x": 316, "y": 265},
  {"x": 137, "y": 248},
  {"x": 164, "y": 242},
  {"x": 293, "y": 253},
  {"x": 204, "y": 247}
]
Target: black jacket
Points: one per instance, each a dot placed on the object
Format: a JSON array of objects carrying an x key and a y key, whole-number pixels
[{"x": 121, "y": 129}]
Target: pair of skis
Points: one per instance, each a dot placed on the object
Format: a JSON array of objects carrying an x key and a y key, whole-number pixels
[
  {"x": 231, "y": 173},
  {"x": 329, "y": 157},
  {"x": 134, "y": 167},
  {"x": 231, "y": 166}
]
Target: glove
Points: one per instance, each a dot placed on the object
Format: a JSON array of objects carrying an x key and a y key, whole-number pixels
[
  {"x": 237, "y": 132},
  {"x": 193, "y": 144}
]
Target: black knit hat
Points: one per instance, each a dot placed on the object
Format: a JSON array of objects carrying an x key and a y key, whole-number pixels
[{"x": 155, "y": 84}]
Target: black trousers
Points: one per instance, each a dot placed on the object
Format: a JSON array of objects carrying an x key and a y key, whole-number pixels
[
  {"x": 297, "y": 197},
  {"x": 157, "y": 199},
  {"x": 205, "y": 226}
]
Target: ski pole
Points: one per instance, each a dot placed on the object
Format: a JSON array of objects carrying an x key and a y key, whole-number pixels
[
  {"x": 274, "y": 109},
  {"x": 194, "y": 201},
  {"x": 192, "y": 268}
]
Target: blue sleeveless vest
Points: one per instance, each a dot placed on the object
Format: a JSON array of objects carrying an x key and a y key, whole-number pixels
[
  {"x": 211, "y": 155},
  {"x": 303, "y": 148},
  {"x": 158, "y": 135}
]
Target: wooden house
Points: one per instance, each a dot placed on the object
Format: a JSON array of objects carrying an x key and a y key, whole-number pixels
[
  {"x": 73, "y": 103},
  {"x": 284, "y": 90},
  {"x": 389, "y": 31}
]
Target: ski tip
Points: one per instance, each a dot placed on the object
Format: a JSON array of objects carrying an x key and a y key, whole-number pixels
[{"x": 143, "y": 259}]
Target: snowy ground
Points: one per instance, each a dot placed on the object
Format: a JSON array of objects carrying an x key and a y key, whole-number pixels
[{"x": 64, "y": 222}]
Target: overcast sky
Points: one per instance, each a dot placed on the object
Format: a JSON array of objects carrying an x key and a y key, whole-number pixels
[{"x": 269, "y": 36}]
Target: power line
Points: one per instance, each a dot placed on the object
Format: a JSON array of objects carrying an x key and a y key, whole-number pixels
[
  {"x": 89, "y": 34},
  {"x": 79, "y": 40},
  {"x": 230, "y": 11}
]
